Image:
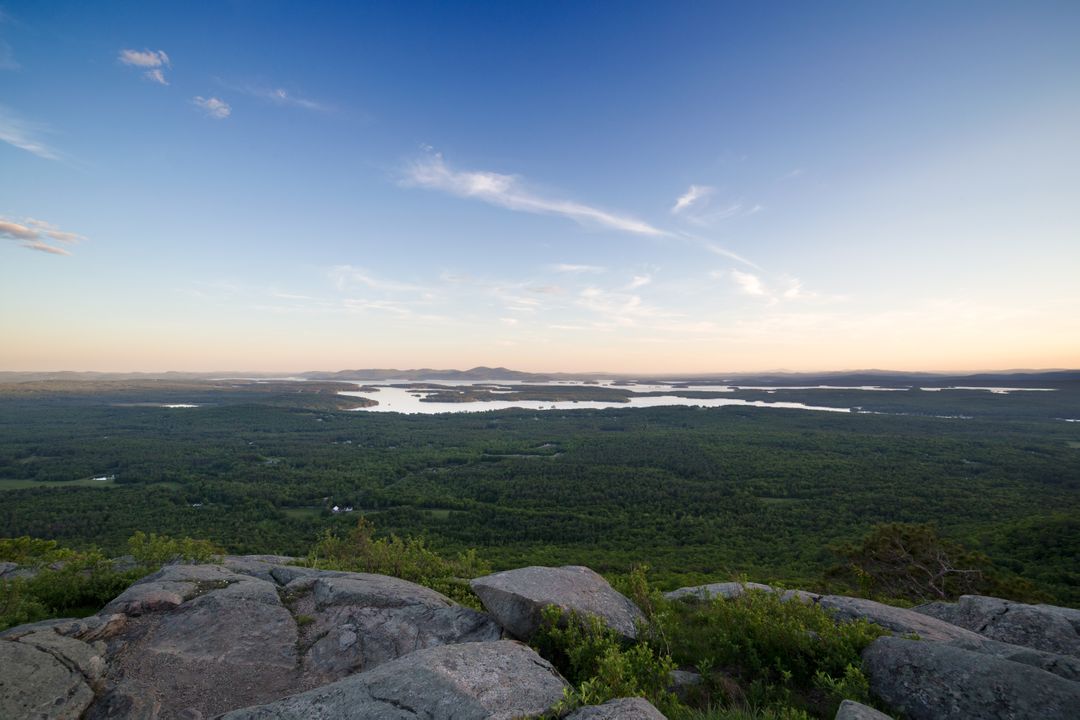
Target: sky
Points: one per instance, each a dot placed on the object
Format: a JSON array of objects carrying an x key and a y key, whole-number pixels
[{"x": 639, "y": 187}]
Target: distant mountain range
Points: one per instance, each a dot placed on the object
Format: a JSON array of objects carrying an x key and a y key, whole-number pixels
[{"x": 884, "y": 378}]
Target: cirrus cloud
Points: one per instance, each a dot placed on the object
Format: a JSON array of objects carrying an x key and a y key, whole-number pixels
[
  {"x": 33, "y": 235},
  {"x": 214, "y": 107},
  {"x": 153, "y": 63},
  {"x": 24, "y": 135},
  {"x": 691, "y": 196},
  {"x": 508, "y": 191}
]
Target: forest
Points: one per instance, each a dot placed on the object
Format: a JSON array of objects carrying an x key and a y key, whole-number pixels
[{"x": 697, "y": 494}]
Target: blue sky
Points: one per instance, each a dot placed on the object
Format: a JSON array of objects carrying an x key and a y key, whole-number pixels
[{"x": 640, "y": 187}]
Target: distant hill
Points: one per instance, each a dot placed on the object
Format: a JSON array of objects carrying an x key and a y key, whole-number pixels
[{"x": 883, "y": 378}]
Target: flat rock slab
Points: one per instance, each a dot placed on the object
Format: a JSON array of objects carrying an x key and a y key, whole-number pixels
[
  {"x": 898, "y": 620},
  {"x": 517, "y": 597},
  {"x": 1041, "y": 627},
  {"x": 935, "y": 681},
  {"x": 35, "y": 684},
  {"x": 370, "y": 590},
  {"x": 497, "y": 680},
  {"x": 851, "y": 710},
  {"x": 624, "y": 708}
]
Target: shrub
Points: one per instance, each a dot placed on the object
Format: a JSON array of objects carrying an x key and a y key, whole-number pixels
[
  {"x": 599, "y": 665},
  {"x": 407, "y": 558},
  {"x": 18, "y": 605},
  {"x": 155, "y": 550},
  {"x": 757, "y": 653},
  {"x": 32, "y": 552},
  {"x": 782, "y": 712},
  {"x": 66, "y": 582}
]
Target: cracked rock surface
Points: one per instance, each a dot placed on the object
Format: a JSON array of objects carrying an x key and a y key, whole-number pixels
[
  {"x": 48, "y": 676},
  {"x": 1040, "y": 627},
  {"x": 498, "y": 680},
  {"x": 937, "y": 681}
]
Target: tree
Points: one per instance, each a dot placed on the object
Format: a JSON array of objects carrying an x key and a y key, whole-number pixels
[{"x": 911, "y": 561}]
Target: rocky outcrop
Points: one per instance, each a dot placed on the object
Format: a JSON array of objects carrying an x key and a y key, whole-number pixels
[
  {"x": 898, "y": 620},
  {"x": 254, "y": 638},
  {"x": 620, "y": 709},
  {"x": 359, "y": 621},
  {"x": 936, "y": 681},
  {"x": 1041, "y": 627},
  {"x": 851, "y": 710},
  {"x": 199, "y": 640},
  {"x": 517, "y": 597},
  {"x": 729, "y": 590},
  {"x": 497, "y": 680}
]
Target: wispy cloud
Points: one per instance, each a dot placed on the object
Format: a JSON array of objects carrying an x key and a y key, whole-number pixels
[
  {"x": 7, "y": 57},
  {"x": 749, "y": 283},
  {"x": 152, "y": 62},
  {"x": 699, "y": 205},
  {"x": 157, "y": 76},
  {"x": 638, "y": 281},
  {"x": 716, "y": 249},
  {"x": 14, "y": 231},
  {"x": 23, "y": 135},
  {"x": 345, "y": 276},
  {"x": 277, "y": 95},
  {"x": 45, "y": 248},
  {"x": 782, "y": 289},
  {"x": 215, "y": 108},
  {"x": 508, "y": 191},
  {"x": 618, "y": 309},
  {"x": 32, "y": 234},
  {"x": 691, "y": 196},
  {"x": 568, "y": 268}
]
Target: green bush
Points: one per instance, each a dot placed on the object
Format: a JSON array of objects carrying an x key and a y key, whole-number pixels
[
  {"x": 156, "y": 550},
  {"x": 407, "y": 558},
  {"x": 761, "y": 650},
  {"x": 740, "y": 713},
  {"x": 73, "y": 583},
  {"x": 32, "y": 552},
  {"x": 599, "y": 664},
  {"x": 18, "y": 605}
]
